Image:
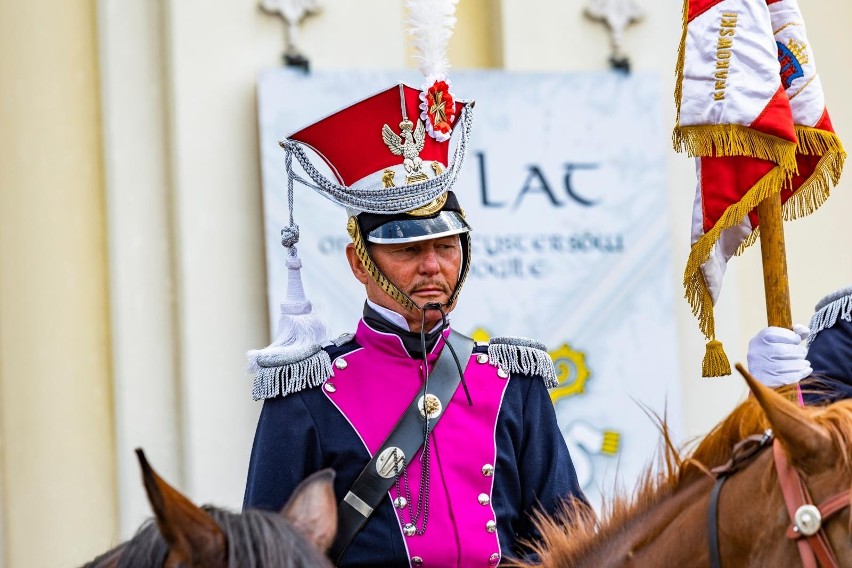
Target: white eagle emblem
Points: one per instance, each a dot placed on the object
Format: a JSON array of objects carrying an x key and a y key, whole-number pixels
[{"x": 408, "y": 145}]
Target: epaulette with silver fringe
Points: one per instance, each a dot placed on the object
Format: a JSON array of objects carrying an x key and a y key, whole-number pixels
[
  {"x": 836, "y": 305},
  {"x": 279, "y": 372},
  {"x": 522, "y": 355}
]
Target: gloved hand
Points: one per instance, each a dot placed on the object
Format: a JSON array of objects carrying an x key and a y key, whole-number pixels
[{"x": 776, "y": 356}]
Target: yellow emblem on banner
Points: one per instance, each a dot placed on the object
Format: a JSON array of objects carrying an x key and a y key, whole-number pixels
[
  {"x": 571, "y": 372},
  {"x": 611, "y": 442}
]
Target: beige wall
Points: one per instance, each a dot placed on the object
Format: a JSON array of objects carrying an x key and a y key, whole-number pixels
[
  {"x": 172, "y": 198},
  {"x": 59, "y": 492}
]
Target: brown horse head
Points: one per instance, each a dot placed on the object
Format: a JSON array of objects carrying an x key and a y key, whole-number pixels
[
  {"x": 817, "y": 443},
  {"x": 665, "y": 521}
]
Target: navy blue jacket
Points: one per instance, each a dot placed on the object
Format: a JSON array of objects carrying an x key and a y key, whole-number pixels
[{"x": 303, "y": 432}]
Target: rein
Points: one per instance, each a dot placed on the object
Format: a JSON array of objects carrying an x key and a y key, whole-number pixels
[
  {"x": 743, "y": 453},
  {"x": 806, "y": 528}
]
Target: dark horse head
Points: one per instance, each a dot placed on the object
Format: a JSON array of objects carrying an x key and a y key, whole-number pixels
[{"x": 183, "y": 535}]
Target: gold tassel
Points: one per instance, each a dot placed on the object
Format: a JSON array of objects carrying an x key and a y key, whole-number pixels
[{"x": 715, "y": 362}]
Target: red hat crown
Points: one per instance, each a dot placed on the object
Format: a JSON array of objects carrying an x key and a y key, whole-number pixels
[{"x": 364, "y": 141}]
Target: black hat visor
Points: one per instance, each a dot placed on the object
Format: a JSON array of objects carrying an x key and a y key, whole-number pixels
[{"x": 410, "y": 230}]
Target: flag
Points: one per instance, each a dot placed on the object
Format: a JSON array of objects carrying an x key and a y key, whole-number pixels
[
  {"x": 819, "y": 152},
  {"x": 734, "y": 117},
  {"x": 736, "y": 57},
  {"x": 730, "y": 101}
]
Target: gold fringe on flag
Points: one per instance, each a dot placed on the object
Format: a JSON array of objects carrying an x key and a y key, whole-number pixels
[
  {"x": 696, "y": 291},
  {"x": 681, "y": 55},
  {"x": 724, "y": 139},
  {"x": 734, "y": 140},
  {"x": 748, "y": 241},
  {"x": 816, "y": 189}
]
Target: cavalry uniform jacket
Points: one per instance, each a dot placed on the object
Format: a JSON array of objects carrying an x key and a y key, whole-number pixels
[{"x": 491, "y": 463}]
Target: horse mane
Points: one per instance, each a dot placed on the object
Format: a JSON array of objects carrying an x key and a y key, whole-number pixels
[
  {"x": 574, "y": 530},
  {"x": 255, "y": 539}
]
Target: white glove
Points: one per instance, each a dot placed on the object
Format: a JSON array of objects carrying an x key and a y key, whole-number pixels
[{"x": 776, "y": 356}]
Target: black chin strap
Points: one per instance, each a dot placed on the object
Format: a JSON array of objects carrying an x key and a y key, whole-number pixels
[{"x": 444, "y": 325}]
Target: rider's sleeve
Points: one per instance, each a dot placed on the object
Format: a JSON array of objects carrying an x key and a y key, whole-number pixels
[
  {"x": 547, "y": 472},
  {"x": 286, "y": 450}
]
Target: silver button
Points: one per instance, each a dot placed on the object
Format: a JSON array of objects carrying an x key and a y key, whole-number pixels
[
  {"x": 416, "y": 561},
  {"x": 484, "y": 499},
  {"x": 341, "y": 363},
  {"x": 491, "y": 526},
  {"x": 390, "y": 462},
  {"x": 329, "y": 387},
  {"x": 494, "y": 559},
  {"x": 807, "y": 520},
  {"x": 488, "y": 470},
  {"x": 400, "y": 502},
  {"x": 409, "y": 529},
  {"x": 502, "y": 373},
  {"x": 482, "y": 358}
]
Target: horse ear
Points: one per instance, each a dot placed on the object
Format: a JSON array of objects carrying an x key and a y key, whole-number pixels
[
  {"x": 808, "y": 444},
  {"x": 312, "y": 509},
  {"x": 193, "y": 536}
]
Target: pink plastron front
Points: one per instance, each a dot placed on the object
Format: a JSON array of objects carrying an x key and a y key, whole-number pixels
[{"x": 372, "y": 388}]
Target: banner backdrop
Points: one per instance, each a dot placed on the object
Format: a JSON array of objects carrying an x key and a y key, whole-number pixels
[{"x": 565, "y": 188}]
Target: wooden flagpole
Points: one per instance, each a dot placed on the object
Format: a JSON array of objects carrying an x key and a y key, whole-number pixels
[{"x": 776, "y": 287}]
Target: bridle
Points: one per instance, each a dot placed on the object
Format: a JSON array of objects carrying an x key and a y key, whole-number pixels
[{"x": 806, "y": 527}]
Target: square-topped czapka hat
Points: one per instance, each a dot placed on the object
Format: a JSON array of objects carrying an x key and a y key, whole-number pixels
[
  {"x": 390, "y": 164},
  {"x": 389, "y": 169}
]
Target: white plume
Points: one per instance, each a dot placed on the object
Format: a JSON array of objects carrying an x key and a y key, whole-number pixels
[{"x": 431, "y": 26}]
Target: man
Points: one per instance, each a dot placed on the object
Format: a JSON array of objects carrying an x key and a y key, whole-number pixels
[
  {"x": 487, "y": 452},
  {"x": 823, "y": 370}
]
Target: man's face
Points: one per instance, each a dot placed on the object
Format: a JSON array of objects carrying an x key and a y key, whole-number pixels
[{"x": 427, "y": 271}]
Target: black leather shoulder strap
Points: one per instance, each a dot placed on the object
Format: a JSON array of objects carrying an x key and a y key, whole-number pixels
[{"x": 406, "y": 438}]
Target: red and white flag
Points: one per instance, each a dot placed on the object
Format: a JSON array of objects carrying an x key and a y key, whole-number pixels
[
  {"x": 750, "y": 108},
  {"x": 819, "y": 152},
  {"x": 730, "y": 101}
]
